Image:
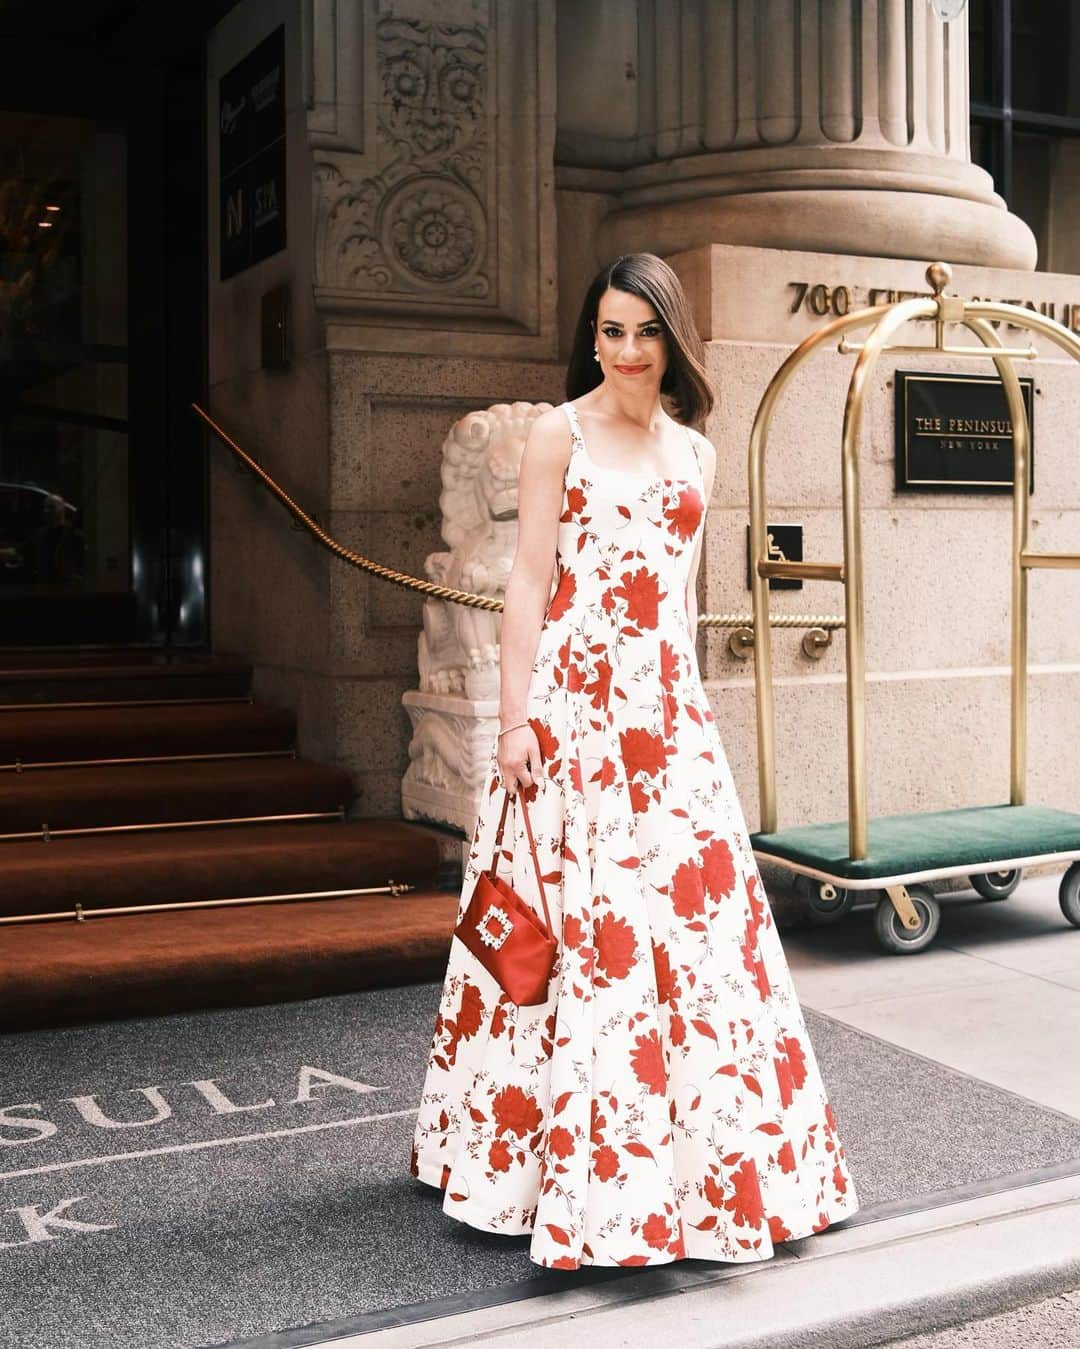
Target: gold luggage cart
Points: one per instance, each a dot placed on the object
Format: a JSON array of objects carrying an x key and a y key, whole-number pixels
[{"x": 893, "y": 857}]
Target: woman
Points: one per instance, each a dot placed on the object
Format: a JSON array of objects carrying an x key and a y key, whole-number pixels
[{"x": 665, "y": 1103}]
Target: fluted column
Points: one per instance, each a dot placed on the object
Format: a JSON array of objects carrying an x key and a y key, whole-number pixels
[{"x": 826, "y": 125}]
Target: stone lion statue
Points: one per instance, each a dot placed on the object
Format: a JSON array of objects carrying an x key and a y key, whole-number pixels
[{"x": 481, "y": 459}]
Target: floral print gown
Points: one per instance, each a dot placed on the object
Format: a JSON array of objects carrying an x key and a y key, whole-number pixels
[{"x": 665, "y": 1102}]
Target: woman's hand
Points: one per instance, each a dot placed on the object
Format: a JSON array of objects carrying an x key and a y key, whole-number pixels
[{"x": 519, "y": 758}]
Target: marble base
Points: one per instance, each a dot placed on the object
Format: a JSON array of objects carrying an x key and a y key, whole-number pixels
[{"x": 449, "y": 753}]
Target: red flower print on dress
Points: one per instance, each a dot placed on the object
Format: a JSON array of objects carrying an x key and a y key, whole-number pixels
[
  {"x": 642, "y": 752},
  {"x": 790, "y": 1068},
  {"x": 499, "y": 1155},
  {"x": 640, "y": 797},
  {"x": 656, "y": 1230},
  {"x": 563, "y": 597},
  {"x": 599, "y": 689},
  {"x": 688, "y": 890},
  {"x": 573, "y": 931},
  {"x": 753, "y": 963},
  {"x": 647, "y": 1061},
  {"x": 569, "y": 670},
  {"x": 549, "y": 744},
  {"x": 717, "y": 868},
  {"x": 667, "y": 985},
  {"x": 669, "y": 667},
  {"x": 745, "y": 1203},
  {"x": 471, "y": 1011},
  {"x": 615, "y": 946},
  {"x": 516, "y": 1112},
  {"x": 605, "y": 1163},
  {"x": 684, "y": 517},
  {"x": 575, "y": 504},
  {"x": 641, "y": 591},
  {"x": 560, "y": 1142},
  {"x": 797, "y": 1059},
  {"x": 714, "y": 1192}
]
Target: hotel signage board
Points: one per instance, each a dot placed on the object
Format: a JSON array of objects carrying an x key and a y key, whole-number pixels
[
  {"x": 954, "y": 432},
  {"x": 251, "y": 142}
]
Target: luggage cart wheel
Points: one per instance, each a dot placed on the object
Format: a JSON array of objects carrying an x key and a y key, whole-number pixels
[
  {"x": 1069, "y": 894},
  {"x": 824, "y": 902},
  {"x": 996, "y": 884},
  {"x": 893, "y": 934}
]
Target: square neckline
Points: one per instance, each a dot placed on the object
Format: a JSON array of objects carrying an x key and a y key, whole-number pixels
[{"x": 575, "y": 422}]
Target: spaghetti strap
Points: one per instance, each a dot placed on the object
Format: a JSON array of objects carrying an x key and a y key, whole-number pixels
[
  {"x": 578, "y": 452},
  {"x": 697, "y": 457},
  {"x": 572, "y": 418}
]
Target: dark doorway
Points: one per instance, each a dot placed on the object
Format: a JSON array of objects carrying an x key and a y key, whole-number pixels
[{"x": 102, "y": 324}]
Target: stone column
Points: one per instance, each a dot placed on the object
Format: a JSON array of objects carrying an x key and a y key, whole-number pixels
[{"x": 832, "y": 126}]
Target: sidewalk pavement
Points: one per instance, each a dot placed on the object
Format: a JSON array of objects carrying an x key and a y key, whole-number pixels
[{"x": 998, "y": 998}]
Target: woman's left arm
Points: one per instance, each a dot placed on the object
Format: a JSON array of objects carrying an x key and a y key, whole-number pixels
[{"x": 708, "y": 472}]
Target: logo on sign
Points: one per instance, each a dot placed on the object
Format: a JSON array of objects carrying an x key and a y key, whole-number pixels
[{"x": 234, "y": 214}]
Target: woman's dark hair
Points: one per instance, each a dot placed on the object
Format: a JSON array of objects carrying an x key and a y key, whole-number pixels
[{"x": 649, "y": 277}]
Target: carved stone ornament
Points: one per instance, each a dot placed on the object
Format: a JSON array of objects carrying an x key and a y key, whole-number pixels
[
  {"x": 455, "y": 711},
  {"x": 458, "y": 649},
  {"x": 430, "y": 126},
  {"x": 417, "y": 221}
]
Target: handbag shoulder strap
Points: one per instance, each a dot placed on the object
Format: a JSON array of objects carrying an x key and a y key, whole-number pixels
[{"x": 532, "y": 849}]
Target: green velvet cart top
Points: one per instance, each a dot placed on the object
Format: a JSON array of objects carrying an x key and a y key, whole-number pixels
[{"x": 944, "y": 839}]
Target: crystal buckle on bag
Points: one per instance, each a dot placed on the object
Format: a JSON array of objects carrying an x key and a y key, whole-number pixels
[{"x": 493, "y": 939}]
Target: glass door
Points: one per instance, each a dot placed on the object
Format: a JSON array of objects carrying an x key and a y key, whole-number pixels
[{"x": 65, "y": 555}]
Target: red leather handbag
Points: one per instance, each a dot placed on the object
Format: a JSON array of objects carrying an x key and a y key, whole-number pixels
[{"x": 505, "y": 934}]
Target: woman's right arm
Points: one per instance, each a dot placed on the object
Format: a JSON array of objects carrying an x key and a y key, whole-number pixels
[{"x": 528, "y": 589}]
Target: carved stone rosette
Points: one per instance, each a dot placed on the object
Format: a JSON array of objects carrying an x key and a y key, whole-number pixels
[{"x": 430, "y": 128}]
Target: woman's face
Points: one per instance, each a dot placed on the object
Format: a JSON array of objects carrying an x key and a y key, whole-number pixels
[{"x": 630, "y": 340}]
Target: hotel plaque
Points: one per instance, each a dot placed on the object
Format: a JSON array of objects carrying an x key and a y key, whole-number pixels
[
  {"x": 954, "y": 433},
  {"x": 251, "y": 147}
]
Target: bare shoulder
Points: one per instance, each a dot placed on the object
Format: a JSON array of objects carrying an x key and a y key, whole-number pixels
[{"x": 548, "y": 441}]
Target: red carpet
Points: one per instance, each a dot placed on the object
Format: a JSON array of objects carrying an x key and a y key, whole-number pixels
[
  {"x": 64, "y": 972},
  {"x": 73, "y": 727}
]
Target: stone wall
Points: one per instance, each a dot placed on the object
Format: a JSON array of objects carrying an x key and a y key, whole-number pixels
[{"x": 449, "y": 200}]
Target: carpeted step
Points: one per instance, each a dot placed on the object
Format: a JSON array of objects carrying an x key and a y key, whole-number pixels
[
  {"x": 74, "y": 734},
  {"x": 145, "y": 964},
  {"x": 28, "y": 677},
  {"x": 155, "y": 793},
  {"x": 107, "y": 870}
]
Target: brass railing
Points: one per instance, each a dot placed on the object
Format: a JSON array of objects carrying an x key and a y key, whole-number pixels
[{"x": 820, "y": 625}]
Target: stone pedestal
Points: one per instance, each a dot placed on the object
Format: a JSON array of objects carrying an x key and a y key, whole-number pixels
[{"x": 448, "y": 756}]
